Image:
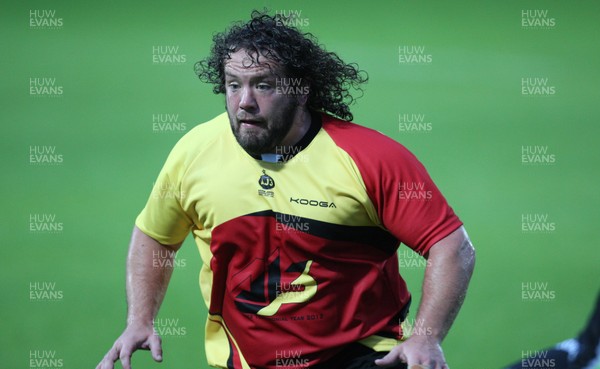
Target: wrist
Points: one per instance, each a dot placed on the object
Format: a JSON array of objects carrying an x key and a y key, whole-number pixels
[
  {"x": 136, "y": 321},
  {"x": 424, "y": 330},
  {"x": 428, "y": 338}
]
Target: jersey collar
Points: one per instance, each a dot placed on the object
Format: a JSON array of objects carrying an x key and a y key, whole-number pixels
[{"x": 293, "y": 150}]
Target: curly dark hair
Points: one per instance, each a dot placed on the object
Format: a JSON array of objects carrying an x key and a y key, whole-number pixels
[{"x": 328, "y": 77}]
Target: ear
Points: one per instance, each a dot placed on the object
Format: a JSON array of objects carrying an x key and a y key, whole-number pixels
[{"x": 303, "y": 97}]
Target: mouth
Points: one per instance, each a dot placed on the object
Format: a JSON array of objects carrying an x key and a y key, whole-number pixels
[{"x": 250, "y": 122}]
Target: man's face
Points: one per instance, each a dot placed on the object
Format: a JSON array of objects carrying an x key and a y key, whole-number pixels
[{"x": 259, "y": 114}]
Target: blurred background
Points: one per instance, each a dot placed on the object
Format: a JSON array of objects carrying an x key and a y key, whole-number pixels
[{"x": 499, "y": 100}]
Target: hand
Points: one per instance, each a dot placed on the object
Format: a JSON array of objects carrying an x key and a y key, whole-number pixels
[
  {"x": 132, "y": 339},
  {"x": 418, "y": 352}
]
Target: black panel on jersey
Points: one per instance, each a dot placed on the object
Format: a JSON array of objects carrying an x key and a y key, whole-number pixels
[{"x": 373, "y": 236}]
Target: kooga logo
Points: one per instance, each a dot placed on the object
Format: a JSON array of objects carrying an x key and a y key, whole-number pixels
[{"x": 322, "y": 204}]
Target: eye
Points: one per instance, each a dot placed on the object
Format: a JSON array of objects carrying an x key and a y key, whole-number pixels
[
  {"x": 263, "y": 86},
  {"x": 233, "y": 85}
]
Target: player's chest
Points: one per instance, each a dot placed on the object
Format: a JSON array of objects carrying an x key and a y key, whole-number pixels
[{"x": 221, "y": 192}]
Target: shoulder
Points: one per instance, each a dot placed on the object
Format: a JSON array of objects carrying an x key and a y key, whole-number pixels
[
  {"x": 198, "y": 140},
  {"x": 205, "y": 132},
  {"x": 202, "y": 135},
  {"x": 365, "y": 144}
]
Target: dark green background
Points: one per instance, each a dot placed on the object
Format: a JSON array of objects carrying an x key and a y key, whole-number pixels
[{"x": 470, "y": 92}]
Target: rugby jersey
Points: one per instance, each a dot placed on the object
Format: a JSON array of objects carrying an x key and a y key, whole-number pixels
[{"x": 298, "y": 254}]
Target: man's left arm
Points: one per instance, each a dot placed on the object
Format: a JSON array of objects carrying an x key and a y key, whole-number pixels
[{"x": 449, "y": 269}]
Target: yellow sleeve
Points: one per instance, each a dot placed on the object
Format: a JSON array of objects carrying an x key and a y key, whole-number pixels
[
  {"x": 170, "y": 212},
  {"x": 163, "y": 217}
]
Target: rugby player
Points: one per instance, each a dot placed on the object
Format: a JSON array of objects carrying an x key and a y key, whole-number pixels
[{"x": 297, "y": 214}]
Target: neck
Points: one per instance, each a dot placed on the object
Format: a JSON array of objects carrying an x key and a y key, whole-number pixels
[{"x": 299, "y": 127}]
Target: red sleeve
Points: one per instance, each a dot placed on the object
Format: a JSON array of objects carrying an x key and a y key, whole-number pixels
[{"x": 408, "y": 203}]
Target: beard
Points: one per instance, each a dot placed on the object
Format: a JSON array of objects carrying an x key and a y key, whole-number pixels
[{"x": 259, "y": 135}]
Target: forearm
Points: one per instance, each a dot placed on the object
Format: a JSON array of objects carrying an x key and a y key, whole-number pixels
[
  {"x": 149, "y": 269},
  {"x": 450, "y": 266},
  {"x": 447, "y": 276}
]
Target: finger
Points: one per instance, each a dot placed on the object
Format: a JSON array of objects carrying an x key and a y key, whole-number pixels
[
  {"x": 109, "y": 359},
  {"x": 390, "y": 359},
  {"x": 419, "y": 361},
  {"x": 125, "y": 358},
  {"x": 155, "y": 347},
  {"x": 105, "y": 364},
  {"x": 430, "y": 365},
  {"x": 101, "y": 365}
]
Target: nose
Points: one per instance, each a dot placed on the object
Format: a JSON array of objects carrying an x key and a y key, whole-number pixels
[{"x": 247, "y": 100}]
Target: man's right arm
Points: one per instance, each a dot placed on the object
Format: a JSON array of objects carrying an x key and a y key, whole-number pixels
[{"x": 149, "y": 269}]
